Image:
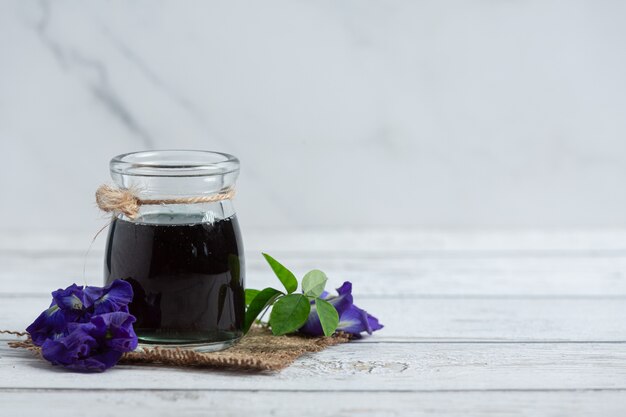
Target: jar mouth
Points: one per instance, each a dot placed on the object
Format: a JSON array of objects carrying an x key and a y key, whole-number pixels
[{"x": 174, "y": 163}]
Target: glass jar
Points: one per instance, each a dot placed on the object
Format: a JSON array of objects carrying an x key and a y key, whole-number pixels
[{"x": 184, "y": 260}]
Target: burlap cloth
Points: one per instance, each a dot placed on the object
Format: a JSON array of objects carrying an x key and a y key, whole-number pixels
[{"x": 258, "y": 350}]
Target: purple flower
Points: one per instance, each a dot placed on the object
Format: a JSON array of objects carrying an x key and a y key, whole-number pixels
[
  {"x": 69, "y": 299},
  {"x": 86, "y": 329},
  {"x": 67, "y": 306},
  {"x": 343, "y": 300},
  {"x": 352, "y": 319},
  {"x": 50, "y": 324},
  {"x": 109, "y": 299},
  {"x": 93, "y": 346}
]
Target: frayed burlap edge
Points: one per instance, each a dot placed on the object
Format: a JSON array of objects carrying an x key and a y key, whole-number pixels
[{"x": 258, "y": 350}]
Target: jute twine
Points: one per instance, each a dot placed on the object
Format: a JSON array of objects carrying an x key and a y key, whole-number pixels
[
  {"x": 122, "y": 200},
  {"x": 258, "y": 350}
]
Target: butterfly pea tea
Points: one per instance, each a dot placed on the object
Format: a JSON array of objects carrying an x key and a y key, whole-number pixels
[{"x": 175, "y": 238}]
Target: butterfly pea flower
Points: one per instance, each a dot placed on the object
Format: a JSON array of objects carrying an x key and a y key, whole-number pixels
[
  {"x": 86, "y": 329},
  {"x": 352, "y": 319},
  {"x": 67, "y": 306},
  {"x": 51, "y": 323},
  {"x": 115, "y": 297},
  {"x": 93, "y": 346},
  {"x": 355, "y": 320},
  {"x": 70, "y": 299}
]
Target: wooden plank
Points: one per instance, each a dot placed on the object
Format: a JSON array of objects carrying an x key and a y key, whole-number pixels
[
  {"x": 303, "y": 404},
  {"x": 371, "y": 239},
  {"x": 455, "y": 306},
  {"x": 408, "y": 276},
  {"x": 357, "y": 366},
  {"x": 450, "y": 319}
]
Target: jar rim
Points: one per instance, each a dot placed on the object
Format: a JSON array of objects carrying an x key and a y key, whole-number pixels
[{"x": 174, "y": 163}]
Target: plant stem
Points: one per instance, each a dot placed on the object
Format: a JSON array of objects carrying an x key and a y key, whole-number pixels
[{"x": 272, "y": 301}]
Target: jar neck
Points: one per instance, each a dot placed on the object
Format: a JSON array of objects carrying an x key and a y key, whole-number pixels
[
  {"x": 173, "y": 175},
  {"x": 168, "y": 174},
  {"x": 170, "y": 214},
  {"x": 161, "y": 187}
]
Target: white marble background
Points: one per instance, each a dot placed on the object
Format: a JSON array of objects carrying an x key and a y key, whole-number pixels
[{"x": 344, "y": 113}]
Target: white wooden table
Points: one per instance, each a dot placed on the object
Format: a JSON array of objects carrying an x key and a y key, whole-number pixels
[{"x": 499, "y": 323}]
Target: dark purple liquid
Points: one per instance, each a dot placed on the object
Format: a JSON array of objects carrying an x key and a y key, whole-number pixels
[{"x": 188, "y": 279}]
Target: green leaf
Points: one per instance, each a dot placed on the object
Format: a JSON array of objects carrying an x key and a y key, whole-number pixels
[
  {"x": 314, "y": 282},
  {"x": 329, "y": 318},
  {"x": 289, "y": 313},
  {"x": 258, "y": 304},
  {"x": 250, "y": 294},
  {"x": 284, "y": 275}
]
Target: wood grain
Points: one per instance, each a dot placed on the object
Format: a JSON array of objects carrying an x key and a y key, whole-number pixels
[
  {"x": 370, "y": 367},
  {"x": 165, "y": 402},
  {"x": 477, "y": 323},
  {"x": 449, "y": 319},
  {"x": 407, "y": 275}
]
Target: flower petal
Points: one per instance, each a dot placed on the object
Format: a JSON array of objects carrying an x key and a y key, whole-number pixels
[
  {"x": 103, "y": 361},
  {"x": 373, "y": 323},
  {"x": 312, "y": 326},
  {"x": 68, "y": 349},
  {"x": 353, "y": 321},
  {"x": 70, "y": 298},
  {"x": 341, "y": 302},
  {"x": 344, "y": 299},
  {"x": 93, "y": 346},
  {"x": 86, "y": 329},
  {"x": 120, "y": 333},
  {"x": 88, "y": 364},
  {"x": 49, "y": 325},
  {"x": 92, "y": 294},
  {"x": 110, "y": 299},
  {"x": 356, "y": 320}
]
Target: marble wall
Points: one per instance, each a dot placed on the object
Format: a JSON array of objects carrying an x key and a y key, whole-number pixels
[{"x": 344, "y": 113}]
